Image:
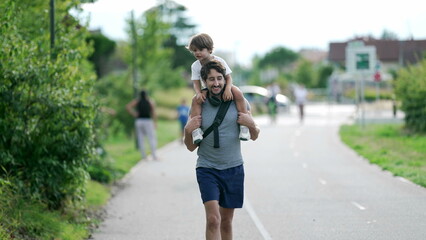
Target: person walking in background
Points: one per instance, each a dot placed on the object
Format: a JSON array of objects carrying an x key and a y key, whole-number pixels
[
  {"x": 201, "y": 45},
  {"x": 219, "y": 168},
  {"x": 143, "y": 109},
  {"x": 273, "y": 89},
  {"x": 271, "y": 102},
  {"x": 183, "y": 112},
  {"x": 300, "y": 95}
]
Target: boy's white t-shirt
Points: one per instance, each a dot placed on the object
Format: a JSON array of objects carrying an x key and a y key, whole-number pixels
[{"x": 196, "y": 69}]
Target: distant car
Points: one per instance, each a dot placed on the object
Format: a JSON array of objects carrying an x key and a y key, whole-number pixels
[{"x": 259, "y": 95}]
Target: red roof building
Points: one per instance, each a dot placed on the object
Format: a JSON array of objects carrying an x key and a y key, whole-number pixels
[{"x": 391, "y": 53}]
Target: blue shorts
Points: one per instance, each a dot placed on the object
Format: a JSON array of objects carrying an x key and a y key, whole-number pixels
[{"x": 225, "y": 186}]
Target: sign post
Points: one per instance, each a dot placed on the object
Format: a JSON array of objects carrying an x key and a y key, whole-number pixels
[
  {"x": 377, "y": 79},
  {"x": 360, "y": 61}
]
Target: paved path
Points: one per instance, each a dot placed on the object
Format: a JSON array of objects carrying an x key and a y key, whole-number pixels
[{"x": 301, "y": 183}]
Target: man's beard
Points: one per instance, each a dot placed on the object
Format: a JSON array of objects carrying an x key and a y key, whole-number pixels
[{"x": 216, "y": 94}]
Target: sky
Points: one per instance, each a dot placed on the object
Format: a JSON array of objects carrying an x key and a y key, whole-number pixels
[{"x": 248, "y": 28}]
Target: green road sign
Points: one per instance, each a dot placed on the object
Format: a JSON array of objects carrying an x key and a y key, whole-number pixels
[{"x": 362, "y": 61}]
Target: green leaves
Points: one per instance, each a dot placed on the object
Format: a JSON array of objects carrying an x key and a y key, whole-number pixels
[
  {"x": 410, "y": 88},
  {"x": 153, "y": 59},
  {"x": 46, "y": 107}
]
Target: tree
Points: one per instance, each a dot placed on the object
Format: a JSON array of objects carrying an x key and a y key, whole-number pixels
[
  {"x": 47, "y": 109},
  {"x": 154, "y": 60},
  {"x": 103, "y": 48},
  {"x": 304, "y": 73},
  {"x": 324, "y": 72},
  {"x": 174, "y": 14},
  {"x": 180, "y": 32},
  {"x": 279, "y": 57},
  {"x": 388, "y": 35}
]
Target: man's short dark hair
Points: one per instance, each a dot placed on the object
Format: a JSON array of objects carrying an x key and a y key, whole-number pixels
[{"x": 214, "y": 64}]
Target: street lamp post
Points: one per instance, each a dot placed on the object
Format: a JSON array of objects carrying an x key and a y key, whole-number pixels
[{"x": 52, "y": 28}]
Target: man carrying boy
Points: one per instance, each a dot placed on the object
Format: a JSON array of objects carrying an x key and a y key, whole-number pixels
[
  {"x": 220, "y": 171},
  {"x": 201, "y": 45}
]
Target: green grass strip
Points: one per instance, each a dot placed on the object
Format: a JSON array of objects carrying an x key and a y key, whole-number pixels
[{"x": 391, "y": 148}]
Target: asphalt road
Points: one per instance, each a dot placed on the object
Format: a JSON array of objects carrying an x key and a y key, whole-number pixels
[{"x": 301, "y": 183}]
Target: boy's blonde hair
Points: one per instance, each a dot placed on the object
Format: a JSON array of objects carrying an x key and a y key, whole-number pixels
[{"x": 200, "y": 41}]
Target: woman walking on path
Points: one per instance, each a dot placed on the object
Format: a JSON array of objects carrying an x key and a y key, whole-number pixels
[{"x": 143, "y": 110}]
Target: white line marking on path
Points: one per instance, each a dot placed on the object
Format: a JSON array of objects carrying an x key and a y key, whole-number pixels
[
  {"x": 248, "y": 207},
  {"x": 322, "y": 181},
  {"x": 358, "y": 206}
]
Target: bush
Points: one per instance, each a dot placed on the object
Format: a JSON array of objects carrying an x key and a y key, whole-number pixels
[
  {"x": 23, "y": 218},
  {"x": 46, "y": 106},
  {"x": 101, "y": 169},
  {"x": 370, "y": 94},
  {"x": 410, "y": 89}
]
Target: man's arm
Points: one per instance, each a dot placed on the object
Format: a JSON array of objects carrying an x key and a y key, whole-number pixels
[
  {"x": 246, "y": 119},
  {"x": 192, "y": 124}
]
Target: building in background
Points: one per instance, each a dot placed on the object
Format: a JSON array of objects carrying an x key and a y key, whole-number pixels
[{"x": 390, "y": 56}]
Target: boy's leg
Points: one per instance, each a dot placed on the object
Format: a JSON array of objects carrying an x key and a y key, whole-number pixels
[
  {"x": 197, "y": 134},
  {"x": 240, "y": 102},
  {"x": 195, "y": 107}
]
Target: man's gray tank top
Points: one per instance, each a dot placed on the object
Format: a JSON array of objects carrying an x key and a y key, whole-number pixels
[{"x": 229, "y": 153}]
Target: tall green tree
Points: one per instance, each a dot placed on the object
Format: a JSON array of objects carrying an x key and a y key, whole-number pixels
[
  {"x": 279, "y": 58},
  {"x": 305, "y": 74},
  {"x": 47, "y": 108},
  {"x": 154, "y": 60},
  {"x": 324, "y": 72},
  {"x": 274, "y": 66},
  {"x": 180, "y": 31},
  {"x": 103, "y": 49}
]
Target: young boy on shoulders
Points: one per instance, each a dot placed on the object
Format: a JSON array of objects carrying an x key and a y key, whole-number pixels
[{"x": 201, "y": 46}]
